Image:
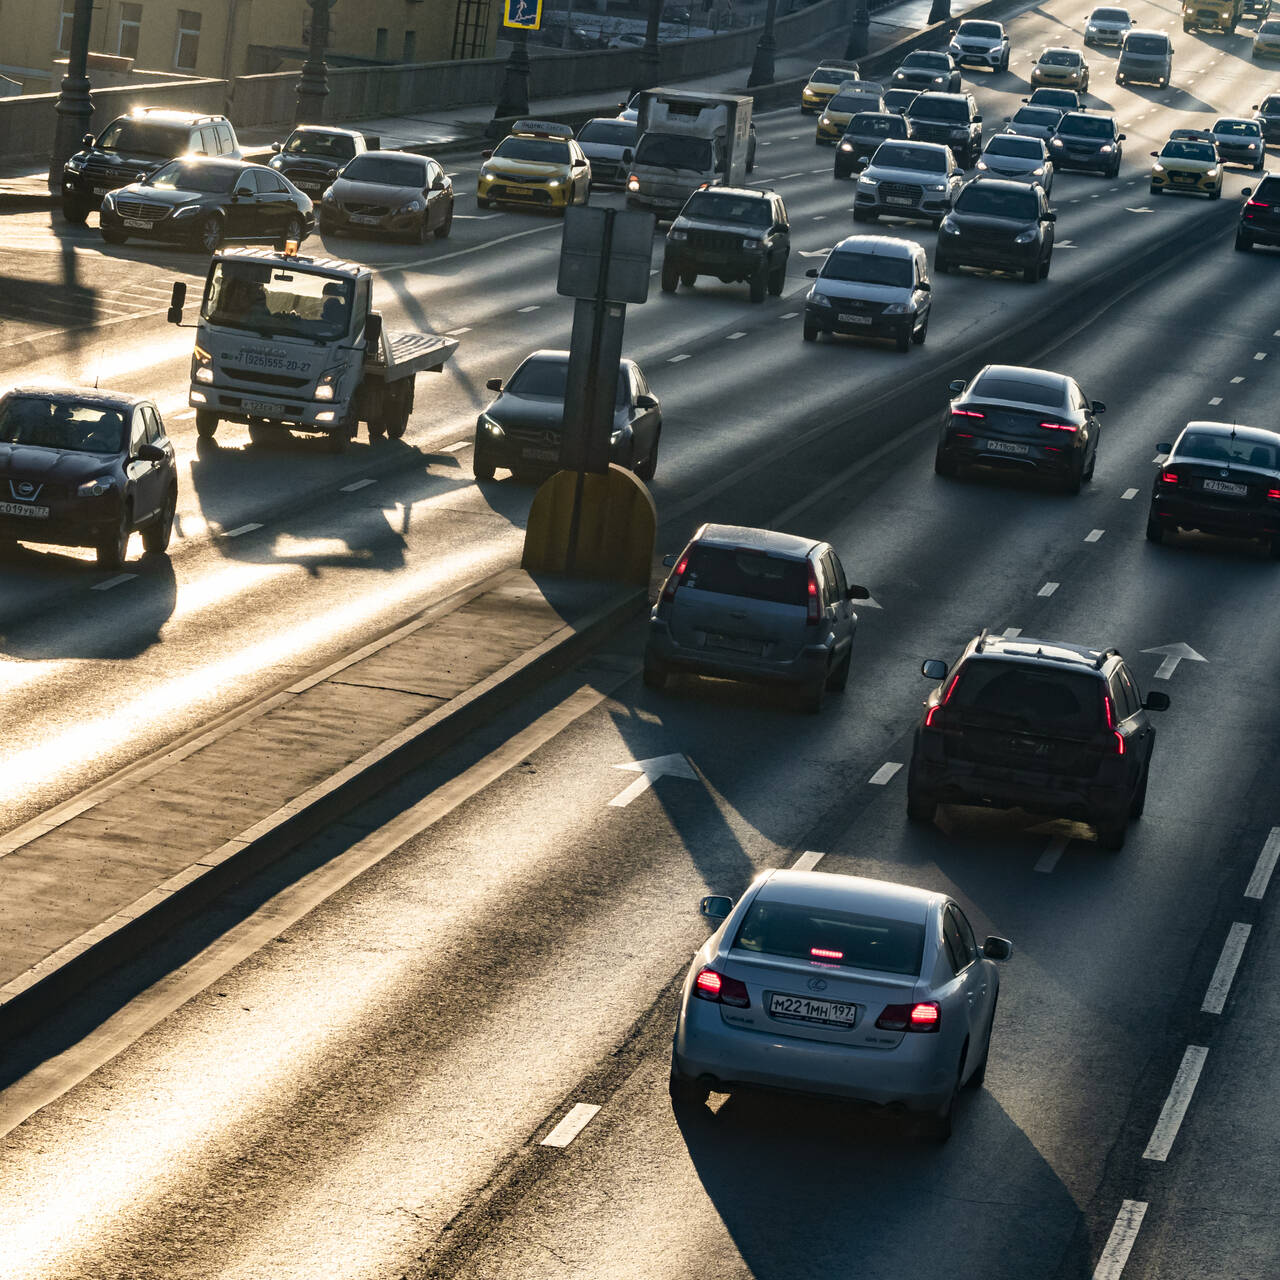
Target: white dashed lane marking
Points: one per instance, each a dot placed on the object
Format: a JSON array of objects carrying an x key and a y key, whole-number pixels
[
  {"x": 1048, "y": 589},
  {"x": 807, "y": 860},
  {"x": 786, "y": 176},
  {"x": 1176, "y": 1104},
  {"x": 183, "y": 417},
  {"x": 1120, "y": 1242},
  {"x": 356, "y": 485},
  {"x": 1094, "y": 534},
  {"x": 677, "y": 359},
  {"x": 1215, "y": 997},
  {"x": 1128, "y": 495},
  {"x": 1012, "y": 633},
  {"x": 733, "y": 337},
  {"x": 884, "y": 773},
  {"x": 1265, "y": 865},
  {"x": 1236, "y": 381},
  {"x": 1216, "y": 400},
  {"x": 455, "y": 446},
  {"x": 580, "y": 1115},
  {"x": 456, "y": 333},
  {"x": 1053, "y": 851},
  {"x": 1259, "y": 355},
  {"x": 523, "y": 310},
  {"x": 788, "y": 315}
]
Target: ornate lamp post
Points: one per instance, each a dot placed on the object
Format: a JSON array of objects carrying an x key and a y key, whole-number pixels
[
  {"x": 762, "y": 67},
  {"x": 74, "y": 105},
  {"x": 857, "y": 46},
  {"x": 513, "y": 97},
  {"x": 313, "y": 83},
  {"x": 649, "y": 63}
]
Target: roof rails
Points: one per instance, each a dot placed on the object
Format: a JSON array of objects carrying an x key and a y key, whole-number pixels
[
  {"x": 982, "y": 640},
  {"x": 1100, "y": 661}
]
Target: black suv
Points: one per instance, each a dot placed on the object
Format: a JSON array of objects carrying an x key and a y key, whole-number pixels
[
  {"x": 734, "y": 233},
  {"x": 133, "y": 147},
  {"x": 1001, "y": 224},
  {"x": 1260, "y": 214},
  {"x": 1042, "y": 725},
  {"x": 949, "y": 118},
  {"x": 311, "y": 155},
  {"x": 85, "y": 468}
]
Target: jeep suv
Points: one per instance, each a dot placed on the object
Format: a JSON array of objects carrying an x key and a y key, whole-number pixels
[
  {"x": 734, "y": 233},
  {"x": 1042, "y": 725},
  {"x": 133, "y": 147}
]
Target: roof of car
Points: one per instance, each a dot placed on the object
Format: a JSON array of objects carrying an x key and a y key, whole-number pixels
[
  {"x": 850, "y": 893},
  {"x": 880, "y": 246},
  {"x": 1000, "y": 184},
  {"x": 1046, "y": 378},
  {"x": 1259, "y": 434},
  {"x": 79, "y": 395},
  {"x": 1057, "y": 48},
  {"x": 736, "y": 192},
  {"x": 169, "y": 115},
  {"x": 329, "y": 129},
  {"x": 767, "y": 540},
  {"x": 932, "y": 95},
  {"x": 1028, "y": 648}
]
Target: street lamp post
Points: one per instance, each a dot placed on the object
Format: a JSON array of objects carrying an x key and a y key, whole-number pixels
[
  {"x": 649, "y": 63},
  {"x": 939, "y": 11},
  {"x": 313, "y": 82},
  {"x": 513, "y": 97},
  {"x": 74, "y": 105},
  {"x": 861, "y": 21},
  {"x": 762, "y": 67}
]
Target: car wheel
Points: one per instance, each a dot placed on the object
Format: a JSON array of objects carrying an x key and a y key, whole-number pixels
[
  {"x": 839, "y": 676},
  {"x": 649, "y": 466},
  {"x": 759, "y": 284},
  {"x": 1155, "y": 530},
  {"x": 778, "y": 279},
  {"x": 481, "y": 465},
  {"x": 113, "y": 549},
  {"x": 324, "y": 225},
  {"x": 812, "y": 696},
  {"x": 922, "y": 805},
  {"x": 293, "y": 230},
  {"x": 902, "y": 339},
  {"x": 1243, "y": 242},
  {"x": 155, "y": 537},
  {"x": 261, "y": 435},
  {"x": 112, "y": 236},
  {"x": 1215, "y": 194},
  {"x": 1111, "y": 835},
  {"x": 688, "y": 279},
  {"x": 1044, "y": 267},
  {"x": 1075, "y": 478},
  {"x": 1139, "y": 801},
  {"x": 209, "y": 233},
  {"x": 1031, "y": 274},
  {"x": 376, "y": 431},
  {"x": 1155, "y": 191},
  {"x": 481, "y": 202},
  {"x": 944, "y": 464},
  {"x": 670, "y": 278},
  {"x": 442, "y": 231},
  {"x": 1115, "y": 170},
  {"x": 920, "y": 334},
  {"x": 979, "y": 1076},
  {"x": 1093, "y": 462},
  {"x": 336, "y": 441},
  {"x": 206, "y": 424},
  {"x": 687, "y": 1093},
  {"x": 810, "y": 332},
  {"x": 938, "y": 1126},
  {"x": 656, "y": 674},
  {"x": 75, "y": 212}
]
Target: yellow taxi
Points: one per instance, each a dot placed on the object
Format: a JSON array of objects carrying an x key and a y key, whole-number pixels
[
  {"x": 827, "y": 77},
  {"x": 1187, "y": 164},
  {"x": 538, "y": 164},
  {"x": 850, "y": 98},
  {"x": 1061, "y": 68}
]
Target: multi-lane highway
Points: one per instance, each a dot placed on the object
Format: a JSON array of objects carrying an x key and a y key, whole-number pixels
[{"x": 355, "y": 1079}]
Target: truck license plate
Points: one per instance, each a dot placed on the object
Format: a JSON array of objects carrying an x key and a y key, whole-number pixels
[
  {"x": 22, "y": 509},
  {"x": 263, "y": 408},
  {"x": 140, "y": 223}
]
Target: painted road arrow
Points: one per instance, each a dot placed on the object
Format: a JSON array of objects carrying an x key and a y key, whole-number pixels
[
  {"x": 813, "y": 253},
  {"x": 1174, "y": 654},
  {"x": 660, "y": 766}
]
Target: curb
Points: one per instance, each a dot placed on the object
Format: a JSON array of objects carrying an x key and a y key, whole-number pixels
[{"x": 29, "y": 999}]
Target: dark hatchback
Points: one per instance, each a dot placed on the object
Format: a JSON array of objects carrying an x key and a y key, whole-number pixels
[
  {"x": 85, "y": 468},
  {"x": 204, "y": 202},
  {"x": 1220, "y": 479},
  {"x": 1019, "y": 419},
  {"x": 1087, "y": 141},
  {"x": 863, "y": 134},
  {"x": 522, "y": 429},
  {"x": 1041, "y": 725},
  {"x": 998, "y": 223},
  {"x": 1260, "y": 214}
]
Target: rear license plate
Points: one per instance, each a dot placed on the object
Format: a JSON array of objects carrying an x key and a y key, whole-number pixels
[
  {"x": 738, "y": 644},
  {"x": 263, "y": 408},
  {"x": 1225, "y": 486},
  {"x": 897, "y": 199},
  {"x": 541, "y": 455},
  {"x": 831, "y": 1013},
  {"x": 365, "y": 220},
  {"x": 22, "y": 509},
  {"x": 1005, "y": 446},
  {"x": 140, "y": 223},
  {"x": 846, "y": 318}
]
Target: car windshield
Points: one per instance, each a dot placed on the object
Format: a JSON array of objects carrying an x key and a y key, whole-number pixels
[
  {"x": 387, "y": 171},
  {"x": 998, "y": 386},
  {"x": 267, "y": 300},
  {"x": 1060, "y": 58},
  {"x": 142, "y": 137},
  {"x": 1110, "y": 15},
  {"x": 192, "y": 175},
  {"x": 979, "y": 30},
  {"x": 923, "y": 58},
  {"x": 753, "y": 575},
  {"x": 1271, "y": 105},
  {"x": 1238, "y": 128},
  {"x": 1080, "y": 125},
  {"x": 996, "y": 202},
  {"x": 924, "y": 108},
  {"x": 892, "y": 156},
  {"x": 716, "y": 206},
  {"x": 868, "y": 268},
  {"x": 1044, "y": 117},
  {"x": 1188, "y": 151},
  {"x": 548, "y": 378},
  {"x": 1146, "y": 44},
  {"x": 60, "y": 424},
  {"x": 1046, "y": 700},
  {"x": 539, "y": 150},
  {"x": 867, "y": 124},
  {"x": 1238, "y": 450},
  {"x": 608, "y": 133},
  {"x": 830, "y": 937},
  {"x": 1009, "y": 144},
  {"x": 315, "y": 142},
  {"x": 672, "y": 151}
]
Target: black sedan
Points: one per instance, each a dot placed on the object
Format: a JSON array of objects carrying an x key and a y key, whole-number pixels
[
  {"x": 1220, "y": 479},
  {"x": 1024, "y": 420},
  {"x": 204, "y": 202},
  {"x": 521, "y": 429},
  {"x": 998, "y": 223},
  {"x": 1084, "y": 140},
  {"x": 85, "y": 468}
]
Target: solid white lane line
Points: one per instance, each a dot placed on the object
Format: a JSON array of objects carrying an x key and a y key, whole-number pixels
[
  {"x": 1128, "y": 495},
  {"x": 1216, "y": 400},
  {"x": 1215, "y": 996},
  {"x": 520, "y": 311},
  {"x": 1094, "y": 534},
  {"x": 1012, "y": 633},
  {"x": 1120, "y": 1242},
  {"x": 677, "y": 359},
  {"x": 455, "y": 446},
  {"x": 357, "y": 484},
  {"x": 1053, "y": 851},
  {"x": 1265, "y": 865},
  {"x": 788, "y": 315},
  {"x": 884, "y": 773},
  {"x": 580, "y": 1115},
  {"x": 456, "y": 333},
  {"x": 785, "y": 176},
  {"x": 1176, "y": 1104},
  {"x": 1235, "y": 381},
  {"x": 244, "y": 528},
  {"x": 114, "y": 582},
  {"x": 807, "y": 860},
  {"x": 733, "y": 337},
  {"x": 1048, "y": 589}
]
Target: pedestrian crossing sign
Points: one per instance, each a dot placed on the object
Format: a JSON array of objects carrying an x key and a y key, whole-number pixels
[{"x": 526, "y": 14}]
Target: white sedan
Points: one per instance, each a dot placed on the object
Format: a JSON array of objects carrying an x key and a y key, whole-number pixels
[{"x": 843, "y": 987}]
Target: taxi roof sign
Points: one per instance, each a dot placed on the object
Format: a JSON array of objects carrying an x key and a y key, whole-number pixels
[{"x": 542, "y": 129}]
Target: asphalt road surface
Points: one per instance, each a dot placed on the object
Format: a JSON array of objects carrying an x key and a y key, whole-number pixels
[{"x": 348, "y": 1071}]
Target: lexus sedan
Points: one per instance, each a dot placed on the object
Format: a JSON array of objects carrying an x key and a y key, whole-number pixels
[
  {"x": 204, "y": 202},
  {"x": 998, "y": 224},
  {"x": 392, "y": 192},
  {"x": 1020, "y": 419},
  {"x": 842, "y": 987},
  {"x": 1020, "y": 159}
]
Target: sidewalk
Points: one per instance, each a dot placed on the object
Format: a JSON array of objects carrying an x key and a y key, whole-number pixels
[{"x": 95, "y": 881}]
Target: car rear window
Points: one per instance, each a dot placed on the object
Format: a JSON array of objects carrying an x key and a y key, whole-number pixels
[
  {"x": 1041, "y": 699},
  {"x": 995, "y": 386},
  {"x": 755, "y": 575},
  {"x": 58, "y": 424},
  {"x": 1268, "y": 191},
  {"x": 1241, "y": 450},
  {"x": 830, "y": 937}
]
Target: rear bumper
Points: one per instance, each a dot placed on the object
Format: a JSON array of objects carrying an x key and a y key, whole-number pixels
[
  {"x": 975, "y": 453},
  {"x": 810, "y": 664},
  {"x": 1260, "y": 234},
  {"x": 1187, "y": 513}
]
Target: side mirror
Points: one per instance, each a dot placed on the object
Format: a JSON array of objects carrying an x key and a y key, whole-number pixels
[
  {"x": 924, "y": 286},
  {"x": 1122, "y": 137},
  {"x": 956, "y": 173},
  {"x": 1097, "y": 406},
  {"x": 177, "y": 300},
  {"x": 956, "y": 387},
  {"x": 977, "y": 119},
  {"x": 1246, "y": 191},
  {"x": 484, "y": 155},
  {"x": 1050, "y": 216},
  {"x": 153, "y": 453},
  {"x": 997, "y": 948},
  {"x": 494, "y": 384},
  {"x": 1156, "y": 154},
  {"x": 1156, "y": 702},
  {"x": 715, "y": 907},
  {"x": 668, "y": 562},
  {"x": 646, "y": 402},
  {"x": 1164, "y": 448},
  {"x": 87, "y": 140},
  {"x": 626, "y": 155},
  {"x": 276, "y": 146},
  {"x": 856, "y": 592},
  {"x": 864, "y": 159},
  {"x": 933, "y": 669},
  {"x": 812, "y": 273},
  {"x": 438, "y": 184},
  {"x": 372, "y": 330},
  {"x": 240, "y": 192}
]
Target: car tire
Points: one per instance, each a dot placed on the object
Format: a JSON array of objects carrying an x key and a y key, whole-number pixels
[
  {"x": 1045, "y": 266},
  {"x": 113, "y": 549},
  {"x": 944, "y": 465},
  {"x": 75, "y": 212},
  {"x": 1089, "y": 470},
  {"x": 1244, "y": 243},
  {"x": 689, "y": 279},
  {"x": 156, "y": 536},
  {"x": 481, "y": 465},
  {"x": 336, "y": 441},
  {"x": 1115, "y": 170},
  {"x": 1215, "y": 194},
  {"x": 687, "y": 1093},
  {"x": 324, "y": 225},
  {"x": 919, "y": 334},
  {"x": 649, "y": 466},
  {"x": 442, "y": 231},
  {"x": 113, "y": 236},
  {"x": 262, "y": 436},
  {"x": 902, "y": 339},
  {"x": 293, "y": 230},
  {"x": 482, "y": 203},
  {"x": 655, "y": 676},
  {"x": 1111, "y": 835},
  {"x": 812, "y": 696},
  {"x": 839, "y": 676},
  {"x": 938, "y": 1126},
  {"x": 206, "y": 424},
  {"x": 979, "y": 1076},
  {"x": 208, "y": 233},
  {"x": 778, "y": 279},
  {"x": 759, "y": 284},
  {"x": 1074, "y": 480},
  {"x": 922, "y": 805},
  {"x": 810, "y": 332},
  {"x": 670, "y": 278},
  {"x": 1031, "y": 274},
  {"x": 422, "y": 233},
  {"x": 1155, "y": 191},
  {"x": 1155, "y": 530}
]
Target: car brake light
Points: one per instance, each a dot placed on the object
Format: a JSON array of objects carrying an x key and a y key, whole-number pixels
[
  {"x": 1109, "y": 707},
  {"x": 924, "y": 1016},
  {"x": 1168, "y": 477},
  {"x": 931, "y": 718},
  {"x": 811, "y": 619},
  {"x": 964, "y": 435},
  {"x": 1257, "y": 204},
  {"x": 1058, "y": 426},
  {"x": 967, "y": 413},
  {"x": 669, "y": 590},
  {"x": 1274, "y": 495},
  {"x": 719, "y": 989},
  {"x": 1119, "y": 737},
  {"x": 824, "y": 953}
]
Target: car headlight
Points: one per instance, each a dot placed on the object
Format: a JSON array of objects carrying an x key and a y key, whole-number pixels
[
  {"x": 1253, "y": 146},
  {"x": 74, "y": 165},
  {"x": 96, "y": 487},
  {"x": 187, "y": 211},
  {"x": 1157, "y": 167},
  {"x": 935, "y": 187},
  {"x": 415, "y": 205},
  {"x": 1106, "y": 148},
  {"x": 328, "y": 197},
  {"x": 1055, "y": 142},
  {"x": 937, "y": 79},
  {"x": 898, "y": 309},
  {"x": 673, "y": 234},
  {"x": 865, "y": 183},
  {"x": 824, "y": 120},
  {"x": 201, "y": 365},
  {"x": 485, "y": 172},
  {"x": 950, "y": 227},
  {"x": 816, "y": 299},
  {"x": 489, "y": 427},
  {"x": 618, "y": 436},
  {"x": 327, "y": 386},
  {"x": 846, "y": 146},
  {"x": 1212, "y": 173},
  {"x": 275, "y": 162},
  {"x": 1038, "y": 173},
  {"x": 1091, "y": 30},
  {"x": 982, "y": 164},
  {"x": 750, "y": 242},
  {"x": 109, "y": 200},
  {"x": 553, "y": 182},
  {"x": 1025, "y": 237},
  {"x": 953, "y": 48}
]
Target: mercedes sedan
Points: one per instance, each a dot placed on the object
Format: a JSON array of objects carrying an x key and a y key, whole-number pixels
[{"x": 839, "y": 986}]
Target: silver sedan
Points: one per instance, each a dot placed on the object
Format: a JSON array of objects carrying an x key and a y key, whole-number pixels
[
  {"x": 1021, "y": 159},
  {"x": 843, "y": 987}
]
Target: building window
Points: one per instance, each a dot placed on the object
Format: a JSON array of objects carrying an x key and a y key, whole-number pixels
[
  {"x": 188, "y": 47},
  {"x": 380, "y": 43},
  {"x": 64, "y": 26},
  {"x": 410, "y": 45},
  {"x": 130, "y": 25}
]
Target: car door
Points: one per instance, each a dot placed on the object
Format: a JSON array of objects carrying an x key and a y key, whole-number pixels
[
  {"x": 781, "y": 231},
  {"x": 437, "y": 196},
  {"x": 644, "y": 421},
  {"x": 835, "y": 593},
  {"x": 275, "y": 205},
  {"x": 1143, "y": 733},
  {"x": 922, "y": 294},
  {"x": 145, "y": 479},
  {"x": 975, "y": 992},
  {"x": 241, "y": 209}
]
